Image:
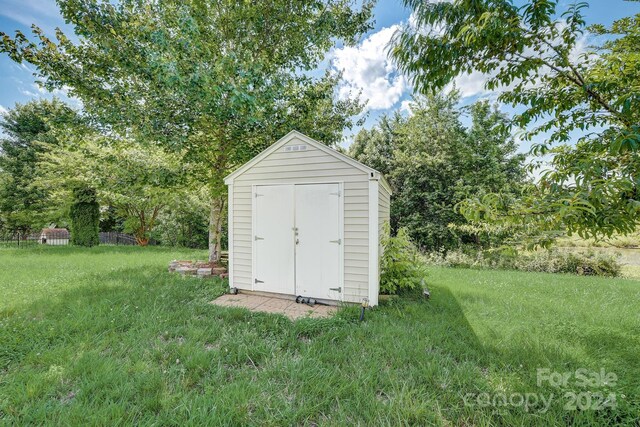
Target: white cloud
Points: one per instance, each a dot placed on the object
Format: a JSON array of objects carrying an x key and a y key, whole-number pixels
[
  {"x": 27, "y": 12},
  {"x": 41, "y": 90},
  {"x": 43, "y": 13},
  {"x": 470, "y": 84},
  {"x": 427, "y": 29},
  {"x": 27, "y": 92},
  {"x": 3, "y": 110},
  {"x": 367, "y": 70},
  {"x": 22, "y": 67},
  {"x": 35, "y": 90},
  {"x": 60, "y": 93},
  {"x": 405, "y": 107}
]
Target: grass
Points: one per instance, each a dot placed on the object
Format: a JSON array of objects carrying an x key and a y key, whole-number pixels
[
  {"x": 105, "y": 336},
  {"x": 625, "y": 248},
  {"x": 630, "y": 241}
]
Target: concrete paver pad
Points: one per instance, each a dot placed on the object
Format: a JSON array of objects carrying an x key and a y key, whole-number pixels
[{"x": 268, "y": 304}]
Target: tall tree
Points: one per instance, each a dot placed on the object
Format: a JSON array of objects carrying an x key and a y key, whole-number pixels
[
  {"x": 489, "y": 151},
  {"x": 375, "y": 147},
  {"x": 29, "y": 131},
  {"x": 185, "y": 223},
  {"x": 426, "y": 171},
  {"x": 208, "y": 77},
  {"x": 85, "y": 217},
  {"x": 138, "y": 181},
  {"x": 534, "y": 58},
  {"x": 433, "y": 162}
]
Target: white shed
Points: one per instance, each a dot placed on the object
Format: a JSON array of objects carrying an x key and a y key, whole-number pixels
[
  {"x": 306, "y": 220},
  {"x": 54, "y": 236}
]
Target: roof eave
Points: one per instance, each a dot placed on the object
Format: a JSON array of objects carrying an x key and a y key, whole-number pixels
[{"x": 228, "y": 180}]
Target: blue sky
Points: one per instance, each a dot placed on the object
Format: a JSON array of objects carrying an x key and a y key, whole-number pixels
[{"x": 365, "y": 66}]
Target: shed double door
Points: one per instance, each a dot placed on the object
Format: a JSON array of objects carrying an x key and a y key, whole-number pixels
[{"x": 298, "y": 239}]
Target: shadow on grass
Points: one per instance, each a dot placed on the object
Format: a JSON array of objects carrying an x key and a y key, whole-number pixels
[
  {"x": 143, "y": 346},
  {"x": 151, "y": 302}
]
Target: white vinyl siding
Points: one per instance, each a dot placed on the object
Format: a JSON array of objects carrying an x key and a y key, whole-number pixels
[{"x": 308, "y": 166}]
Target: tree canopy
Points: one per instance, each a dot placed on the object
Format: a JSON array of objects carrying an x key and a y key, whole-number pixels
[
  {"x": 216, "y": 79},
  {"x": 433, "y": 162},
  {"x": 30, "y": 130},
  {"x": 138, "y": 181},
  {"x": 538, "y": 56}
]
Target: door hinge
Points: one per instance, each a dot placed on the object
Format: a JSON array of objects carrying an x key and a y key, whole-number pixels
[
  {"x": 339, "y": 241},
  {"x": 258, "y": 238},
  {"x": 339, "y": 193},
  {"x": 339, "y": 290},
  {"x": 258, "y": 195},
  {"x": 256, "y": 281}
]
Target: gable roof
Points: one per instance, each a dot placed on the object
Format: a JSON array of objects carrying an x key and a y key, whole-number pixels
[
  {"x": 55, "y": 233},
  {"x": 320, "y": 146}
]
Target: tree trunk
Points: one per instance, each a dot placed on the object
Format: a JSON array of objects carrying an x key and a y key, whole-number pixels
[
  {"x": 146, "y": 224},
  {"x": 215, "y": 228}
]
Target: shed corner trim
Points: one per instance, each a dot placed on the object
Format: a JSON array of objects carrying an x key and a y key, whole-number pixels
[{"x": 374, "y": 261}]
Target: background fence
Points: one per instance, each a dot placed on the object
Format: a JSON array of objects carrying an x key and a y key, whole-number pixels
[
  {"x": 117, "y": 238},
  {"x": 61, "y": 237}
]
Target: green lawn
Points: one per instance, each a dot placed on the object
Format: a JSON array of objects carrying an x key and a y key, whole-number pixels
[{"x": 105, "y": 336}]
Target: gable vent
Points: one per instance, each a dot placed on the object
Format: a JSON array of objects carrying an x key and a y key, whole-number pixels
[{"x": 290, "y": 148}]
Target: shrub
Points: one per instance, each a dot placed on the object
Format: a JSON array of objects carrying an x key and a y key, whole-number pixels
[
  {"x": 583, "y": 264},
  {"x": 401, "y": 266},
  {"x": 186, "y": 222},
  {"x": 85, "y": 218},
  {"x": 552, "y": 261}
]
